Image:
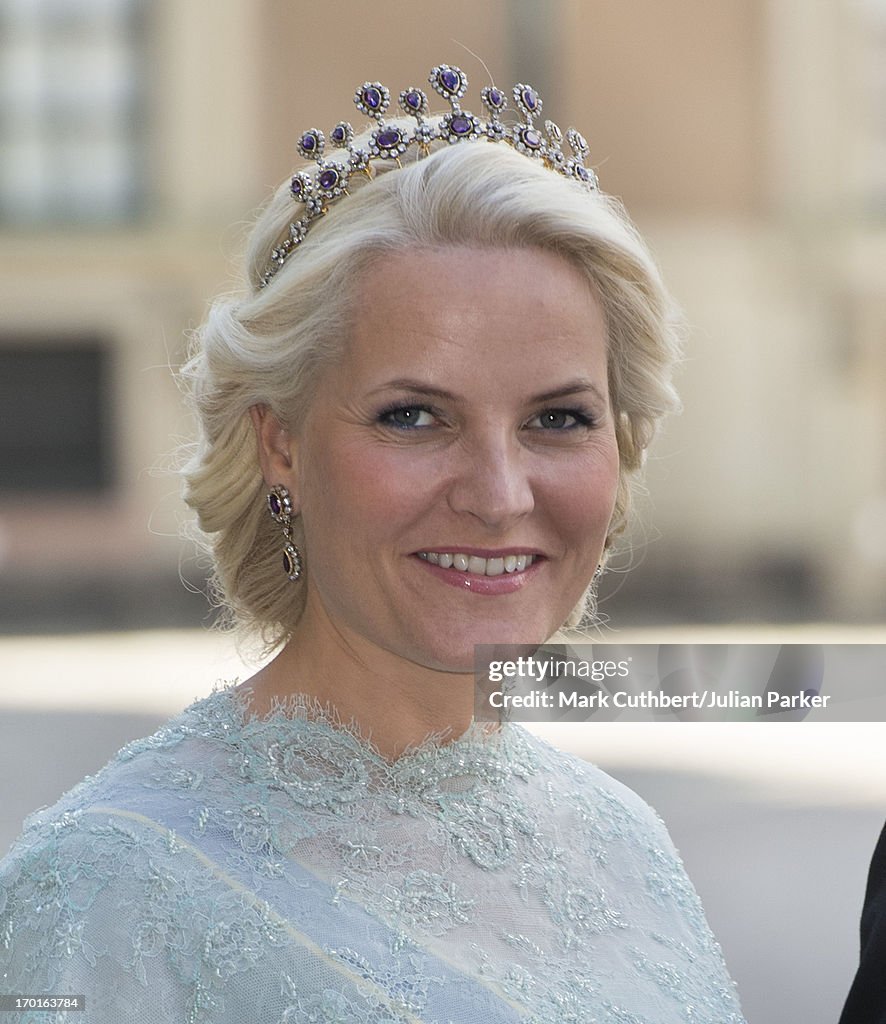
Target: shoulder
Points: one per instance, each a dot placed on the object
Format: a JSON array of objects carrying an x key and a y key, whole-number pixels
[
  {"x": 99, "y": 849},
  {"x": 595, "y": 794},
  {"x": 115, "y": 908},
  {"x": 152, "y": 763},
  {"x": 123, "y": 891},
  {"x": 606, "y": 823},
  {"x": 619, "y": 856}
]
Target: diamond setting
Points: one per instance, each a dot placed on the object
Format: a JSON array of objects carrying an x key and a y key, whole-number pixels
[
  {"x": 372, "y": 99},
  {"x": 318, "y": 188},
  {"x": 414, "y": 102},
  {"x": 311, "y": 144},
  {"x": 460, "y": 126},
  {"x": 450, "y": 82},
  {"x": 389, "y": 143},
  {"x": 341, "y": 135}
]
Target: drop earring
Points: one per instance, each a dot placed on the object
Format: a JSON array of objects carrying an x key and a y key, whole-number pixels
[{"x": 280, "y": 507}]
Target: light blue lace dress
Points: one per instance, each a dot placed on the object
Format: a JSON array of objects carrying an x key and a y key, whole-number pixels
[{"x": 279, "y": 871}]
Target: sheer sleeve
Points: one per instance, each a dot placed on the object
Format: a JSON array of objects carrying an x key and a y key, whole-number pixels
[
  {"x": 125, "y": 914},
  {"x": 79, "y": 919}
]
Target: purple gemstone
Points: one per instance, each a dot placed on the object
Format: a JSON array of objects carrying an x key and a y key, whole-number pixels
[
  {"x": 329, "y": 178},
  {"x": 582, "y": 172},
  {"x": 288, "y": 567},
  {"x": 309, "y": 142},
  {"x": 530, "y": 98},
  {"x": 372, "y": 98},
  {"x": 530, "y": 138},
  {"x": 338, "y": 134},
  {"x": 297, "y": 188},
  {"x": 450, "y": 80},
  {"x": 460, "y": 125},
  {"x": 389, "y": 138},
  {"x": 413, "y": 100},
  {"x": 274, "y": 504},
  {"x": 496, "y": 97}
]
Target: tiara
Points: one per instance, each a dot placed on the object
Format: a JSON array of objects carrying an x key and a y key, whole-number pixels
[{"x": 316, "y": 189}]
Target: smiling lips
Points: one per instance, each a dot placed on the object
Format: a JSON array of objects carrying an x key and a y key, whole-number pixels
[{"x": 474, "y": 565}]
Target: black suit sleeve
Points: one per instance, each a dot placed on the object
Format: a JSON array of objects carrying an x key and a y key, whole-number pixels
[{"x": 866, "y": 1002}]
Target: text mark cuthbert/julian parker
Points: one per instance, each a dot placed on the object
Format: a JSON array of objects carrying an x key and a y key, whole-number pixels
[{"x": 680, "y": 682}]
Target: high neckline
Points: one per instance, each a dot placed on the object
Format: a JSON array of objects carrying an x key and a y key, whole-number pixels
[{"x": 301, "y": 742}]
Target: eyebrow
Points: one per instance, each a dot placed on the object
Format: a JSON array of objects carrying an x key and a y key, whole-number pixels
[{"x": 579, "y": 386}]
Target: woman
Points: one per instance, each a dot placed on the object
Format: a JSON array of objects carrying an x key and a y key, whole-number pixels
[{"x": 420, "y": 426}]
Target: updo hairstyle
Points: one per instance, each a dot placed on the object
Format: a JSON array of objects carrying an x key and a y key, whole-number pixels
[{"x": 268, "y": 347}]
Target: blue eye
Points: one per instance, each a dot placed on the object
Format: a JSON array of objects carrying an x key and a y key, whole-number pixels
[
  {"x": 561, "y": 419},
  {"x": 407, "y": 417}
]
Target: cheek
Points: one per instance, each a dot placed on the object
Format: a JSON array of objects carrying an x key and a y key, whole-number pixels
[
  {"x": 581, "y": 496},
  {"x": 359, "y": 489}
]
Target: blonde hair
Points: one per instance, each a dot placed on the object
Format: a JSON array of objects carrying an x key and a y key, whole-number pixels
[{"x": 268, "y": 346}]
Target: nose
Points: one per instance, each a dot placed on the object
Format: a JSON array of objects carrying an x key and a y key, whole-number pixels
[{"x": 491, "y": 481}]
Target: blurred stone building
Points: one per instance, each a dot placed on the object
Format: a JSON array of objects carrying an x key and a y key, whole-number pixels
[{"x": 747, "y": 137}]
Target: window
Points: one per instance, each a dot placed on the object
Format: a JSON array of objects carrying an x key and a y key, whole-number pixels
[
  {"x": 54, "y": 415},
  {"x": 869, "y": 74},
  {"x": 71, "y": 112}
]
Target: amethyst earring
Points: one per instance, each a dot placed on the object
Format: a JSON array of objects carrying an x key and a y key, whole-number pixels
[{"x": 280, "y": 507}]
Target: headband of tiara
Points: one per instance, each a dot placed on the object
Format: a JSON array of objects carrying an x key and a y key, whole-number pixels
[{"x": 317, "y": 189}]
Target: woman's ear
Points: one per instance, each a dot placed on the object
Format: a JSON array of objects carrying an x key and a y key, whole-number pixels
[{"x": 276, "y": 450}]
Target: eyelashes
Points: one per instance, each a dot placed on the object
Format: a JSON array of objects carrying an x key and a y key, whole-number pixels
[
  {"x": 410, "y": 416},
  {"x": 556, "y": 419},
  {"x": 406, "y": 416}
]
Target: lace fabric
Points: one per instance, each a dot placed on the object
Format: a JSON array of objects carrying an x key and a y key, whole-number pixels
[{"x": 233, "y": 869}]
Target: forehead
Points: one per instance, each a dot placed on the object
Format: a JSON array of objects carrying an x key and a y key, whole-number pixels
[{"x": 490, "y": 310}]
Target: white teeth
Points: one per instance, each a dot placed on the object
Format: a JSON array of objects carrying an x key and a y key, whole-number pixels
[{"x": 476, "y": 565}]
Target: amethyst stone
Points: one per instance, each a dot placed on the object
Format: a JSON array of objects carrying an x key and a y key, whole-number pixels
[
  {"x": 338, "y": 134},
  {"x": 413, "y": 99},
  {"x": 496, "y": 97},
  {"x": 390, "y": 138},
  {"x": 530, "y": 138},
  {"x": 530, "y": 98},
  {"x": 288, "y": 565},
  {"x": 450, "y": 80},
  {"x": 274, "y": 505},
  {"x": 460, "y": 125},
  {"x": 297, "y": 188},
  {"x": 328, "y": 179},
  {"x": 582, "y": 172},
  {"x": 372, "y": 97},
  {"x": 309, "y": 142}
]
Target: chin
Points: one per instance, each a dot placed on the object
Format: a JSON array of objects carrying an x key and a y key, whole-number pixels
[{"x": 459, "y": 656}]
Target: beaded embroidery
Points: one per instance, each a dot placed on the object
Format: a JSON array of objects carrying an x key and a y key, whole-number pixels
[{"x": 230, "y": 869}]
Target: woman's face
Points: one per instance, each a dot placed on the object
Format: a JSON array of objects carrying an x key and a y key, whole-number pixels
[{"x": 456, "y": 471}]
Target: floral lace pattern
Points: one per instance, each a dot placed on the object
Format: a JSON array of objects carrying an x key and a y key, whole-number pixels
[{"x": 234, "y": 869}]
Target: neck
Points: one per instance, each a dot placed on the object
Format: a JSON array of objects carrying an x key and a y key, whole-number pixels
[{"x": 394, "y": 702}]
